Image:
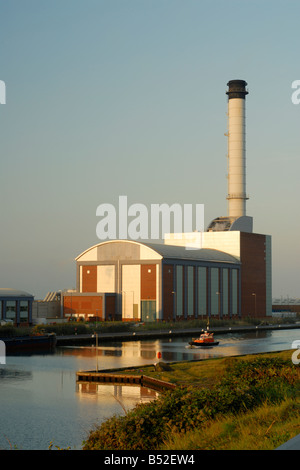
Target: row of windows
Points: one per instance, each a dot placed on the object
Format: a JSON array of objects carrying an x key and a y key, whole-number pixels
[
  {"x": 9, "y": 309},
  {"x": 220, "y": 297}
]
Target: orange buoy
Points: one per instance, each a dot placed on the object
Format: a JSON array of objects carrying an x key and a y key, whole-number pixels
[{"x": 159, "y": 355}]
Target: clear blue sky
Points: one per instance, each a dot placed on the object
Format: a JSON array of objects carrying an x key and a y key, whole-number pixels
[{"x": 127, "y": 97}]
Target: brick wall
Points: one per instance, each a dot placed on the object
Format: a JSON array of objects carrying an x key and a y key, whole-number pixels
[{"x": 253, "y": 274}]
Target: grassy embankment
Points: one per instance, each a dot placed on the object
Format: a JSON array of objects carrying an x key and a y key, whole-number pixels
[
  {"x": 69, "y": 328},
  {"x": 247, "y": 402}
]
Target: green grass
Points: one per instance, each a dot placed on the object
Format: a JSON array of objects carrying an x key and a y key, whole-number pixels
[
  {"x": 265, "y": 428},
  {"x": 199, "y": 373},
  {"x": 246, "y": 402}
]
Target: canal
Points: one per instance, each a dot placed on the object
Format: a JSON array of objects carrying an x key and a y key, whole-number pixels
[{"x": 41, "y": 403}]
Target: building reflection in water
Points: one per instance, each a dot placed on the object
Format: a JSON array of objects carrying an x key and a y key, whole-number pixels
[{"x": 126, "y": 395}]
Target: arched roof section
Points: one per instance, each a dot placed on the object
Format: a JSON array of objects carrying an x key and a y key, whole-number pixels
[
  {"x": 132, "y": 250},
  {"x": 13, "y": 293},
  {"x": 119, "y": 249}
]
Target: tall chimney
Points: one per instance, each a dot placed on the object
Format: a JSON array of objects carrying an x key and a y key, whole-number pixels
[{"x": 236, "y": 148}]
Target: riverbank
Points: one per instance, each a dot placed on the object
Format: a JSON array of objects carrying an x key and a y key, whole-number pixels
[
  {"x": 72, "y": 333},
  {"x": 248, "y": 403},
  {"x": 139, "y": 334}
]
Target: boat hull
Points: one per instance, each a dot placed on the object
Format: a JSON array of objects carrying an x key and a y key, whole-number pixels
[
  {"x": 29, "y": 343},
  {"x": 204, "y": 345}
]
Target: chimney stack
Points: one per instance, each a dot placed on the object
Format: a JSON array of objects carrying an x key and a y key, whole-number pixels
[{"x": 236, "y": 148}]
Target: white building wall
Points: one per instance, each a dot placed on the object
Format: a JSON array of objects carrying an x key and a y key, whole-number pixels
[
  {"x": 106, "y": 278},
  {"x": 229, "y": 242},
  {"x": 131, "y": 291}
]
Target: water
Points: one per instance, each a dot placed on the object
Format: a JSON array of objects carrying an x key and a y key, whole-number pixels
[{"x": 41, "y": 403}]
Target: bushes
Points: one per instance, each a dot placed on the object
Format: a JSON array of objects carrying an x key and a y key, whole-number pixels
[{"x": 245, "y": 385}]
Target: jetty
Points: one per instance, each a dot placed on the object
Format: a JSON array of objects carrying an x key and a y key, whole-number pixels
[{"x": 113, "y": 378}]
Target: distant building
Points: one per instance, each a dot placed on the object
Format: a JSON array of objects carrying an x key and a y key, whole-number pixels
[
  {"x": 16, "y": 307},
  {"x": 286, "y": 305}
]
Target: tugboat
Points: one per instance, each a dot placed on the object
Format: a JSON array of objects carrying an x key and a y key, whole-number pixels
[{"x": 205, "y": 339}]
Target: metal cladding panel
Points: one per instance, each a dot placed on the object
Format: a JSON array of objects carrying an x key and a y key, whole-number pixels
[
  {"x": 179, "y": 290},
  {"x": 234, "y": 292},
  {"x": 202, "y": 291},
  {"x": 190, "y": 290},
  {"x": 225, "y": 291},
  {"x": 134, "y": 251},
  {"x": 118, "y": 250},
  {"x": 214, "y": 291}
]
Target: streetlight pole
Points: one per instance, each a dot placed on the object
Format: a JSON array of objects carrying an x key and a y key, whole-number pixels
[
  {"x": 219, "y": 309},
  {"x": 175, "y": 301},
  {"x": 96, "y": 342},
  {"x": 254, "y": 304}
]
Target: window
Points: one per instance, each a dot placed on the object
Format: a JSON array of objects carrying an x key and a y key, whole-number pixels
[
  {"x": 201, "y": 291},
  {"x": 11, "y": 309},
  {"x": 24, "y": 311}
]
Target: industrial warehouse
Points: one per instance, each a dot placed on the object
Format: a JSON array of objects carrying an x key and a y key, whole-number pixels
[{"x": 224, "y": 272}]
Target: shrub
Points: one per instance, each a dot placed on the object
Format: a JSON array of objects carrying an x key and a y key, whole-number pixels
[{"x": 246, "y": 385}]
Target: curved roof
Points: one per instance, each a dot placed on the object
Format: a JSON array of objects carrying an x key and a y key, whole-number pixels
[
  {"x": 107, "y": 250},
  {"x": 13, "y": 293},
  {"x": 203, "y": 254}
]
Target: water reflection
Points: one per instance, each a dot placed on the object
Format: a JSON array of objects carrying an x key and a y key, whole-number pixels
[
  {"x": 14, "y": 374},
  {"x": 177, "y": 349},
  {"x": 40, "y": 401},
  {"x": 126, "y": 395}
]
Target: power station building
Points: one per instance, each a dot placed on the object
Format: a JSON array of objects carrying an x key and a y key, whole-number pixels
[{"x": 224, "y": 272}]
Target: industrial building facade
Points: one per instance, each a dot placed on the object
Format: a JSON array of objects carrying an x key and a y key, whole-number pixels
[
  {"x": 222, "y": 272},
  {"x": 131, "y": 281}
]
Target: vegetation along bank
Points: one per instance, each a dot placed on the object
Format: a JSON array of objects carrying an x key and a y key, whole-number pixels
[{"x": 246, "y": 402}]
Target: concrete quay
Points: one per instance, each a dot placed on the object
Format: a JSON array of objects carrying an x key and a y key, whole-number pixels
[{"x": 162, "y": 333}]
